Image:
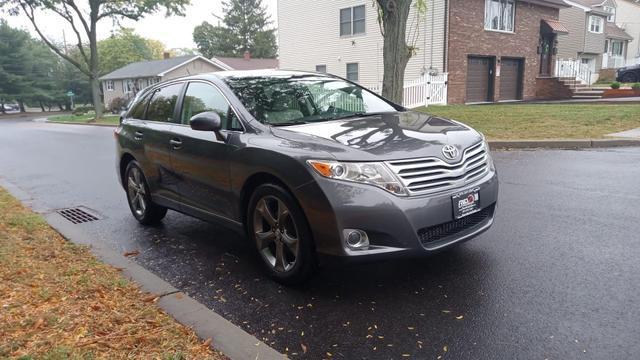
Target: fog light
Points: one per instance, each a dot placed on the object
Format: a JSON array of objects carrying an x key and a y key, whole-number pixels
[{"x": 356, "y": 239}]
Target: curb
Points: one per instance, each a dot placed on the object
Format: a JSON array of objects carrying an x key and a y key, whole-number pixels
[
  {"x": 561, "y": 144},
  {"x": 227, "y": 338}
]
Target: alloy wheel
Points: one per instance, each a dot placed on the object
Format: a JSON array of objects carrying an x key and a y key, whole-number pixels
[
  {"x": 276, "y": 234},
  {"x": 136, "y": 189}
]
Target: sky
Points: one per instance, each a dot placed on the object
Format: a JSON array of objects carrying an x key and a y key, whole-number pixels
[{"x": 174, "y": 32}]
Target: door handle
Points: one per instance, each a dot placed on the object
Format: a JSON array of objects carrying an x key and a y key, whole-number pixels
[
  {"x": 138, "y": 135},
  {"x": 175, "y": 143}
]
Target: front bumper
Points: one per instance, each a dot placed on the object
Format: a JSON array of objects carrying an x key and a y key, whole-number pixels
[{"x": 396, "y": 226}]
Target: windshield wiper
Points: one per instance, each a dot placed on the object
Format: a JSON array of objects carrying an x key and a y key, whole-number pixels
[
  {"x": 288, "y": 123},
  {"x": 354, "y": 115}
]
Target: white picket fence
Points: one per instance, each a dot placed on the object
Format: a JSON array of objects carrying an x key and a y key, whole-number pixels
[{"x": 424, "y": 91}]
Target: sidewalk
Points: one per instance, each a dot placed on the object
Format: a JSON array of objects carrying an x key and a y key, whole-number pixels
[
  {"x": 598, "y": 101},
  {"x": 630, "y": 134}
]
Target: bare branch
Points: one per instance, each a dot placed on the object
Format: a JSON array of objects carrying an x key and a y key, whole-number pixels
[
  {"x": 80, "y": 15},
  {"x": 29, "y": 12},
  {"x": 75, "y": 30}
]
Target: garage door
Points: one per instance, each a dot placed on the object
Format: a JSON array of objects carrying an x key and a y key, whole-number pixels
[
  {"x": 511, "y": 79},
  {"x": 478, "y": 79}
]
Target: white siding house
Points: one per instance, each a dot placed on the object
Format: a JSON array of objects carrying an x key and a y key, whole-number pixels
[
  {"x": 627, "y": 17},
  {"x": 343, "y": 38}
]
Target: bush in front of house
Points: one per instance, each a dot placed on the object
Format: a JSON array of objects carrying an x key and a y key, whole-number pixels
[
  {"x": 83, "y": 110},
  {"x": 118, "y": 105},
  {"x": 636, "y": 86},
  {"x": 615, "y": 85}
]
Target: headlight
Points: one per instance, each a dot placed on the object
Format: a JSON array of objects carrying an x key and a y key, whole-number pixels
[
  {"x": 372, "y": 173},
  {"x": 488, "y": 151}
]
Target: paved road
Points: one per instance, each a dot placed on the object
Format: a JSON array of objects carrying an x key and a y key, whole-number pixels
[{"x": 557, "y": 276}]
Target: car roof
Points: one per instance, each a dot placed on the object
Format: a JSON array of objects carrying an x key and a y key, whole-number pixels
[{"x": 255, "y": 73}]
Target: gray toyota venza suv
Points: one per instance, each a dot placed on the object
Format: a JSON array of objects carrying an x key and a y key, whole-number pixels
[{"x": 310, "y": 166}]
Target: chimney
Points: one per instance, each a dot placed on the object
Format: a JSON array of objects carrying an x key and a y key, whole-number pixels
[
  {"x": 166, "y": 55},
  {"x": 247, "y": 55}
]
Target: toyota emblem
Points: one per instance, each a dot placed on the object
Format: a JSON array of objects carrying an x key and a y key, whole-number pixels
[{"x": 450, "y": 152}]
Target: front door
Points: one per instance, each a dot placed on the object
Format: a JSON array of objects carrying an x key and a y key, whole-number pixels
[
  {"x": 200, "y": 158},
  {"x": 546, "y": 53}
]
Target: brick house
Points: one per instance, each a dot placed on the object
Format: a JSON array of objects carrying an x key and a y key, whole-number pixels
[
  {"x": 492, "y": 50},
  {"x": 497, "y": 49}
]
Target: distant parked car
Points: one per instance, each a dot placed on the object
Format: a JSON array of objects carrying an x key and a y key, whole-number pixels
[
  {"x": 11, "y": 107},
  {"x": 307, "y": 165},
  {"x": 629, "y": 74}
]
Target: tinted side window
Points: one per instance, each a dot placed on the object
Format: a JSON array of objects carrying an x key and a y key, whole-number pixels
[
  {"x": 201, "y": 97},
  {"x": 137, "y": 111},
  {"x": 162, "y": 104}
]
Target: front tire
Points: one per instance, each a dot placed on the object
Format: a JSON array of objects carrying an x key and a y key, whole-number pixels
[
  {"x": 278, "y": 227},
  {"x": 139, "y": 197}
]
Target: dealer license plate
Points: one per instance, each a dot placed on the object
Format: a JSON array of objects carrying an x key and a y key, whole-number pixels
[{"x": 466, "y": 203}]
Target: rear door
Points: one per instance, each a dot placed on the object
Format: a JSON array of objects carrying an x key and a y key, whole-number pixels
[
  {"x": 160, "y": 118},
  {"x": 201, "y": 159}
]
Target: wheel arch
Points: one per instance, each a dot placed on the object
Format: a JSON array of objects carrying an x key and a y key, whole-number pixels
[
  {"x": 249, "y": 186},
  {"x": 125, "y": 159}
]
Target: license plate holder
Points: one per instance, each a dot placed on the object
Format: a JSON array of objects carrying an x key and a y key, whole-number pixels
[{"x": 466, "y": 203}]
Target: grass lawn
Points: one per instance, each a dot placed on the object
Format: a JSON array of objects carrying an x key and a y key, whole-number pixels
[
  {"x": 543, "y": 121},
  {"x": 59, "y": 302},
  {"x": 106, "y": 119}
]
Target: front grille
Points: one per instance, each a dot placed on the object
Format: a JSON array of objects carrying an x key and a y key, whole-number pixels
[
  {"x": 435, "y": 233},
  {"x": 429, "y": 175}
]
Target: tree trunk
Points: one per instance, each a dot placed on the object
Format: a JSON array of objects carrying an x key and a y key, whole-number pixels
[
  {"x": 2, "y": 106},
  {"x": 21, "y": 104},
  {"x": 94, "y": 64},
  {"x": 42, "y": 106},
  {"x": 396, "y": 52}
]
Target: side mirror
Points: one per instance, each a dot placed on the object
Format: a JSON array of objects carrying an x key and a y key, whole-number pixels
[{"x": 208, "y": 121}]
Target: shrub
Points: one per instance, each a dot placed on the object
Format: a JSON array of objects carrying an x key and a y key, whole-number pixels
[
  {"x": 636, "y": 86},
  {"x": 118, "y": 104},
  {"x": 82, "y": 110},
  {"x": 615, "y": 85}
]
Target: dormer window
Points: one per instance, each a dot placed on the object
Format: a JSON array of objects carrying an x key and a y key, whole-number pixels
[{"x": 612, "y": 13}]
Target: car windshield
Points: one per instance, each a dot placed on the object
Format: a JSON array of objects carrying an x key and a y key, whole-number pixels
[{"x": 291, "y": 100}]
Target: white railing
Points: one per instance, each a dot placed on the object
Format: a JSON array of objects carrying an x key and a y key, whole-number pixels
[
  {"x": 612, "y": 61},
  {"x": 574, "y": 69},
  {"x": 424, "y": 91}
]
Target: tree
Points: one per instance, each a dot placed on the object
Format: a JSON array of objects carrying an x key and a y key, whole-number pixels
[
  {"x": 245, "y": 29},
  {"x": 125, "y": 47},
  {"x": 28, "y": 69},
  {"x": 83, "y": 17},
  {"x": 393, "y": 16}
]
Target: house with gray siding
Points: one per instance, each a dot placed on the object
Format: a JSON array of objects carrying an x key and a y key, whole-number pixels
[
  {"x": 127, "y": 81},
  {"x": 594, "y": 39}
]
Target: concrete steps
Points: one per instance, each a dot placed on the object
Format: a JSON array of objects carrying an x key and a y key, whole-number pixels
[{"x": 581, "y": 90}]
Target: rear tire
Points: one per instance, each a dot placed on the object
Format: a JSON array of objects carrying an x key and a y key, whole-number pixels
[
  {"x": 139, "y": 196},
  {"x": 278, "y": 227}
]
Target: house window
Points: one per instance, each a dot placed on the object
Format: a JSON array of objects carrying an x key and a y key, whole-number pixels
[
  {"x": 616, "y": 48},
  {"x": 127, "y": 86},
  {"x": 595, "y": 24},
  {"x": 321, "y": 68},
  {"x": 612, "y": 13},
  {"x": 352, "y": 72},
  {"x": 109, "y": 85},
  {"x": 499, "y": 15},
  {"x": 352, "y": 20},
  {"x": 151, "y": 81}
]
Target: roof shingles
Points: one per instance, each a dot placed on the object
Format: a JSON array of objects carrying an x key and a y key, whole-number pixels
[{"x": 145, "y": 69}]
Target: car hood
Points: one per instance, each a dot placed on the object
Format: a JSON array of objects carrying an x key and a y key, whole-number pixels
[
  {"x": 390, "y": 136},
  {"x": 630, "y": 67}
]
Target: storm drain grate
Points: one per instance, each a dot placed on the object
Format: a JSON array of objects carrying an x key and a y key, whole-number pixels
[{"x": 77, "y": 215}]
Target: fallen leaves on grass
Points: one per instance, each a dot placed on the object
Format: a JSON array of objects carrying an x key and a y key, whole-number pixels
[{"x": 58, "y": 301}]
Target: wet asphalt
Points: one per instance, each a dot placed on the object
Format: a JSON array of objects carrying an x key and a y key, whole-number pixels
[{"x": 557, "y": 277}]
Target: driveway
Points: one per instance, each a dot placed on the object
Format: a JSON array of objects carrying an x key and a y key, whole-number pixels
[{"x": 556, "y": 277}]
